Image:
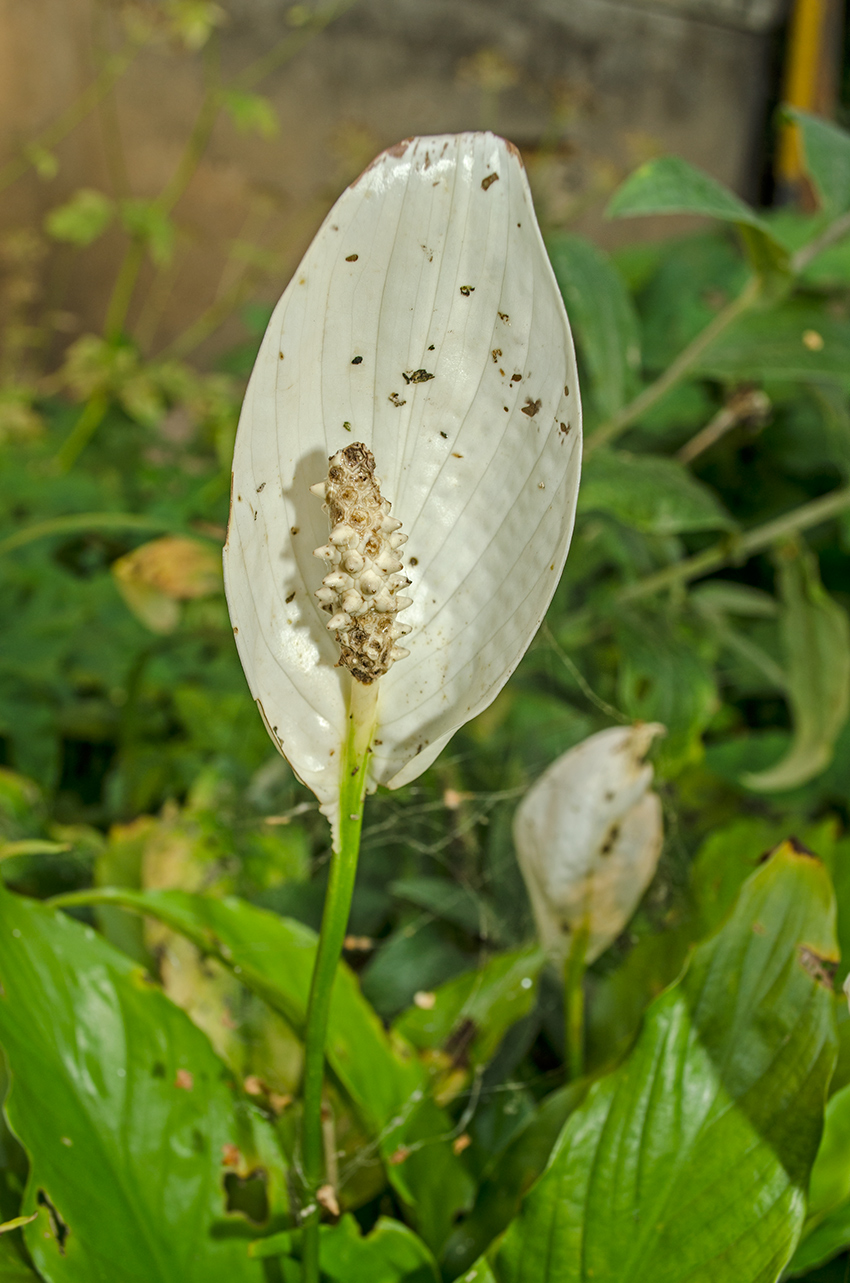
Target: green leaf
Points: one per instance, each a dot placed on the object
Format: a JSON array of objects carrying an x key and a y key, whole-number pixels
[
  {"x": 124, "y": 1110},
  {"x": 702, "y": 1141},
  {"x": 383, "y": 1078},
  {"x": 479, "y": 1007},
  {"x": 274, "y": 957},
  {"x": 827, "y": 1229},
  {"x": 145, "y": 220},
  {"x": 792, "y": 341},
  {"x": 729, "y": 855},
  {"x": 654, "y": 494},
  {"x": 390, "y": 1253},
  {"x": 827, "y": 151},
  {"x": 82, "y": 219},
  {"x": 503, "y": 1187},
  {"x": 815, "y": 635},
  {"x": 603, "y": 318},
  {"x": 252, "y": 112},
  {"x": 669, "y": 185}
]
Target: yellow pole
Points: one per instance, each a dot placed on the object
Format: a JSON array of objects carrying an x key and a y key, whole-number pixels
[{"x": 807, "y": 77}]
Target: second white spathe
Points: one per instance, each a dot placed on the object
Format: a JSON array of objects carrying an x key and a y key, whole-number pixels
[{"x": 588, "y": 835}]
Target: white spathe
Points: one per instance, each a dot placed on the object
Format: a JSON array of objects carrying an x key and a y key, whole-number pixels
[
  {"x": 588, "y": 835},
  {"x": 424, "y": 321}
]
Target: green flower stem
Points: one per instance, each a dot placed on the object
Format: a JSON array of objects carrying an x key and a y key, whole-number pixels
[
  {"x": 574, "y": 969},
  {"x": 362, "y": 712},
  {"x": 676, "y": 371},
  {"x": 735, "y": 549}
]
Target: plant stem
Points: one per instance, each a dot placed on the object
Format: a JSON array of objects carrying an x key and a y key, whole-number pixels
[
  {"x": 574, "y": 969},
  {"x": 361, "y": 725},
  {"x": 88, "y": 422},
  {"x": 738, "y": 548},
  {"x": 113, "y": 69},
  {"x": 87, "y": 521},
  {"x": 675, "y": 372}
]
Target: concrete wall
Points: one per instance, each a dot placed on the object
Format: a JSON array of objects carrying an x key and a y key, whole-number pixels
[{"x": 586, "y": 88}]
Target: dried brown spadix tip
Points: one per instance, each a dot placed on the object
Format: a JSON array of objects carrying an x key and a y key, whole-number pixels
[{"x": 361, "y": 591}]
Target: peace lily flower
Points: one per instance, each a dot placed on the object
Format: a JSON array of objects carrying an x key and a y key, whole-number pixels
[
  {"x": 588, "y": 835},
  {"x": 424, "y": 327},
  {"x": 415, "y": 390}
]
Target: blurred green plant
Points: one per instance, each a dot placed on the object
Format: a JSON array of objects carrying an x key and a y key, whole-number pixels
[{"x": 707, "y": 589}]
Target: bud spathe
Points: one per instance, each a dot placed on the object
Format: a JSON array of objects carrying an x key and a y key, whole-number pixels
[{"x": 588, "y": 835}]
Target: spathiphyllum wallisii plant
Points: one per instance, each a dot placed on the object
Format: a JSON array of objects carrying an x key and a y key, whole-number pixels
[
  {"x": 418, "y": 378},
  {"x": 568, "y": 1044}
]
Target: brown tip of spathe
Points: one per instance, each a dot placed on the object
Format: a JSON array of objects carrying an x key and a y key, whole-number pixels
[
  {"x": 396, "y": 151},
  {"x": 515, "y": 151}
]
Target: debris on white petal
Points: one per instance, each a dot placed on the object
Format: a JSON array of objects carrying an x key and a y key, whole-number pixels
[
  {"x": 588, "y": 835},
  {"x": 374, "y": 338},
  {"x": 363, "y": 604}
]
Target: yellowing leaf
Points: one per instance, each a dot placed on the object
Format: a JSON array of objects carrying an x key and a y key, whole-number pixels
[{"x": 156, "y": 577}]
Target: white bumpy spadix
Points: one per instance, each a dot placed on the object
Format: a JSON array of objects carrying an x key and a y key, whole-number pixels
[
  {"x": 424, "y": 324},
  {"x": 588, "y": 835}
]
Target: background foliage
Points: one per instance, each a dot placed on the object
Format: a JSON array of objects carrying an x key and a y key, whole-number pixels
[{"x": 707, "y": 588}]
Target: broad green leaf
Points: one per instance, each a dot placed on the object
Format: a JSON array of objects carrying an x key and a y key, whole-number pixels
[
  {"x": 503, "y": 1187},
  {"x": 252, "y": 112},
  {"x": 827, "y": 151},
  {"x": 654, "y": 494},
  {"x": 603, "y": 316},
  {"x": 816, "y": 642},
  {"x": 669, "y": 185},
  {"x": 478, "y": 1007},
  {"x": 274, "y": 957},
  {"x": 827, "y": 1228},
  {"x": 702, "y": 1141},
  {"x": 383, "y": 1078},
  {"x": 125, "y": 1112},
  {"x": 729, "y": 855},
  {"x": 621, "y": 997},
  {"x": 792, "y": 341},
  {"x": 82, "y": 219}
]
